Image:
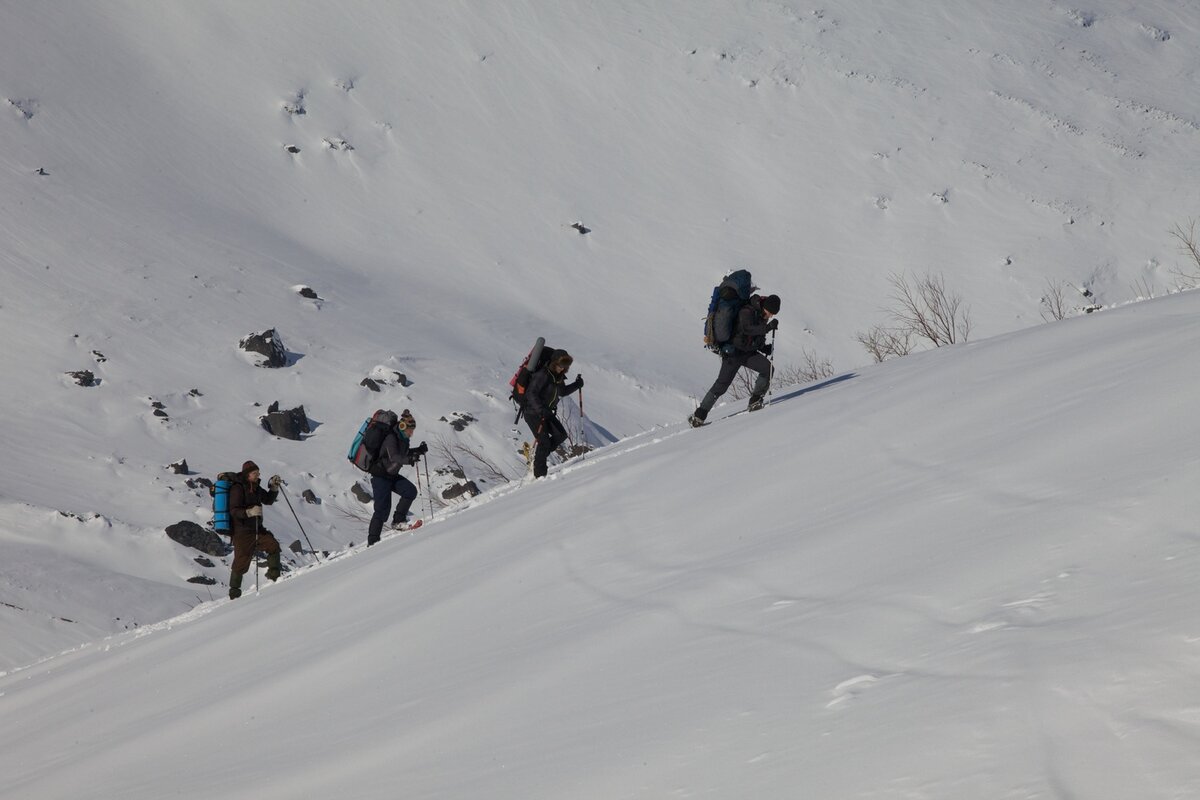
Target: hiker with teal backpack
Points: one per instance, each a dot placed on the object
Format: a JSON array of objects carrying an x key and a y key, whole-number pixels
[
  {"x": 736, "y": 329},
  {"x": 246, "y": 501},
  {"x": 395, "y": 452}
]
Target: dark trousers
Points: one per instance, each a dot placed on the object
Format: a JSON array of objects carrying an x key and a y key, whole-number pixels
[
  {"x": 246, "y": 543},
  {"x": 382, "y": 487},
  {"x": 549, "y": 433},
  {"x": 729, "y": 369}
]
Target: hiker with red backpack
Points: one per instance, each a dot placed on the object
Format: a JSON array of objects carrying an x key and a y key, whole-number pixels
[
  {"x": 547, "y": 385},
  {"x": 395, "y": 453},
  {"x": 246, "y": 501},
  {"x": 743, "y": 345}
]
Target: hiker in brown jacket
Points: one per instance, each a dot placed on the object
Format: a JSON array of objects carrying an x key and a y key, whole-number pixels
[{"x": 246, "y": 499}]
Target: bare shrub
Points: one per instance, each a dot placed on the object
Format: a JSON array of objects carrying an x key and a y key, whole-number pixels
[
  {"x": 454, "y": 452},
  {"x": 924, "y": 308},
  {"x": 1189, "y": 248},
  {"x": 882, "y": 342},
  {"x": 1054, "y": 301}
]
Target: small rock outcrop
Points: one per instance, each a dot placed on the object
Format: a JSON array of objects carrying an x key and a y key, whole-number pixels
[
  {"x": 268, "y": 345},
  {"x": 189, "y": 534},
  {"x": 289, "y": 423}
]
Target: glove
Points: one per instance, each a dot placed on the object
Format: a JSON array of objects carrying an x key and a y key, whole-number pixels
[
  {"x": 254, "y": 511},
  {"x": 275, "y": 482},
  {"x": 772, "y": 325},
  {"x": 420, "y": 449},
  {"x": 578, "y": 382},
  {"x": 766, "y": 349}
]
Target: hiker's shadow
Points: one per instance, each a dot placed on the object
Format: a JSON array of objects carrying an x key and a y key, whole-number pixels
[{"x": 803, "y": 390}]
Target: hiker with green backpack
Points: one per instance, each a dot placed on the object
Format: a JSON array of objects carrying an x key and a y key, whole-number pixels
[{"x": 736, "y": 329}]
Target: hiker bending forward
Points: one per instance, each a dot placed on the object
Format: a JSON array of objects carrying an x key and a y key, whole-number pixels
[
  {"x": 748, "y": 348},
  {"x": 246, "y": 501},
  {"x": 545, "y": 388},
  {"x": 394, "y": 454}
]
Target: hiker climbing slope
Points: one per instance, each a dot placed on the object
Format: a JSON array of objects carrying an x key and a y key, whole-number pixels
[
  {"x": 546, "y": 387},
  {"x": 747, "y": 347}
]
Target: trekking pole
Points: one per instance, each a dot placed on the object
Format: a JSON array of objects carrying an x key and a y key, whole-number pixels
[
  {"x": 283, "y": 483},
  {"x": 771, "y": 360},
  {"x": 428, "y": 485},
  {"x": 582, "y": 429},
  {"x": 254, "y": 554}
]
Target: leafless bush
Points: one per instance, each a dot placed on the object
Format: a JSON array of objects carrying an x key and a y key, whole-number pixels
[
  {"x": 924, "y": 308},
  {"x": 1054, "y": 301},
  {"x": 882, "y": 342},
  {"x": 453, "y": 452},
  {"x": 1189, "y": 274},
  {"x": 1142, "y": 290}
]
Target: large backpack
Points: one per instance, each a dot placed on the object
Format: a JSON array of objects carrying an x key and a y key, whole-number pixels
[
  {"x": 364, "y": 450},
  {"x": 222, "y": 518},
  {"x": 534, "y": 360},
  {"x": 728, "y": 297}
]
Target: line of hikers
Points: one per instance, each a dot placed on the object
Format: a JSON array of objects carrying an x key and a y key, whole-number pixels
[{"x": 736, "y": 328}]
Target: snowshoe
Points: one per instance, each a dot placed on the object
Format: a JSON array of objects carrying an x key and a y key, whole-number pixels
[{"x": 756, "y": 404}]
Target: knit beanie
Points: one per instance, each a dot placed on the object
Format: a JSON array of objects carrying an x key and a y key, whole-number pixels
[
  {"x": 770, "y": 304},
  {"x": 249, "y": 467}
]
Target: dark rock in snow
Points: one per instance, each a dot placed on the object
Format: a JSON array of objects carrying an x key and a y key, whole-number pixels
[
  {"x": 459, "y": 489},
  {"x": 204, "y": 562},
  {"x": 287, "y": 424},
  {"x": 84, "y": 377},
  {"x": 361, "y": 494},
  {"x": 583, "y": 229},
  {"x": 203, "y": 580},
  {"x": 266, "y": 344},
  {"x": 296, "y": 547},
  {"x": 311, "y": 498},
  {"x": 458, "y": 420},
  {"x": 198, "y": 483},
  {"x": 370, "y": 384},
  {"x": 180, "y": 467},
  {"x": 189, "y": 534},
  {"x": 100, "y": 357},
  {"x": 307, "y": 292}
]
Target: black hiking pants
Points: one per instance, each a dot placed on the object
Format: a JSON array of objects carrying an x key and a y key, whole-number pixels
[
  {"x": 549, "y": 433},
  {"x": 729, "y": 369}
]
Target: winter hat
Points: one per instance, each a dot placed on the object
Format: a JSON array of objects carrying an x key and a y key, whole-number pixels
[
  {"x": 561, "y": 358},
  {"x": 249, "y": 467},
  {"x": 407, "y": 420},
  {"x": 770, "y": 304}
]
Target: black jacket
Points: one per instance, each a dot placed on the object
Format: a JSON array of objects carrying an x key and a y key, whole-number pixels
[
  {"x": 751, "y": 333},
  {"x": 394, "y": 454},
  {"x": 543, "y": 392},
  {"x": 244, "y": 495}
]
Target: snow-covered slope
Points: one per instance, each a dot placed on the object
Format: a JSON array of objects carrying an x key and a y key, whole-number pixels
[
  {"x": 969, "y": 573},
  {"x": 174, "y": 173}
]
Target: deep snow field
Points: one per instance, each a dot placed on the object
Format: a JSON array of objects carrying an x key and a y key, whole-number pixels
[{"x": 964, "y": 573}]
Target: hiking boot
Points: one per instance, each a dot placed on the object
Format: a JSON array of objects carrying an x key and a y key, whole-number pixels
[
  {"x": 756, "y": 403},
  {"x": 235, "y": 587},
  {"x": 273, "y": 567},
  {"x": 697, "y": 418}
]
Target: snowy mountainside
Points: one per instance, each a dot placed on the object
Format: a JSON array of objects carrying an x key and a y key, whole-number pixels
[
  {"x": 153, "y": 213},
  {"x": 959, "y": 574}
]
